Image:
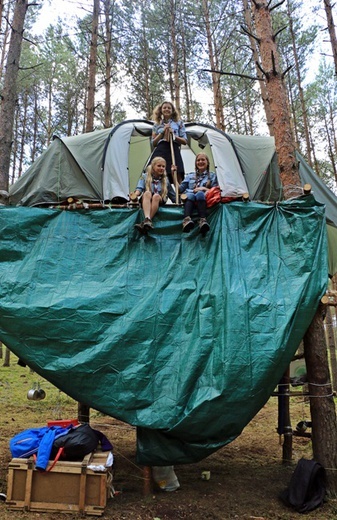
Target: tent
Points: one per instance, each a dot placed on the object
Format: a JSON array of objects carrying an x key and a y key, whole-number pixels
[
  {"x": 181, "y": 335},
  {"x": 105, "y": 165}
]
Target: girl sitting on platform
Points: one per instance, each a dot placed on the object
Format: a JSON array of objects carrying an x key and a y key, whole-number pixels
[
  {"x": 196, "y": 184},
  {"x": 155, "y": 189}
]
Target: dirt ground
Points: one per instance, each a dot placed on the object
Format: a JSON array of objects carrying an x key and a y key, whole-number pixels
[{"x": 246, "y": 477}]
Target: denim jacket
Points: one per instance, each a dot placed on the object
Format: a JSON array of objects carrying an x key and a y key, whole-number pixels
[
  {"x": 178, "y": 128},
  {"x": 156, "y": 187},
  {"x": 193, "y": 180}
]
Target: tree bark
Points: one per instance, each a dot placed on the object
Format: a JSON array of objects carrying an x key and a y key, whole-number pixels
[
  {"x": 322, "y": 406},
  {"x": 331, "y": 346},
  {"x": 7, "y": 358},
  {"x": 7, "y": 110},
  {"x": 107, "y": 81},
  {"x": 300, "y": 88},
  {"x": 255, "y": 51},
  {"x": 332, "y": 31},
  {"x": 216, "y": 87},
  {"x": 323, "y": 414},
  {"x": 176, "y": 82},
  {"x": 92, "y": 70},
  {"x": 284, "y": 141}
]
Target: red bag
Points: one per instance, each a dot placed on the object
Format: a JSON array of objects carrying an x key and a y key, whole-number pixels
[{"x": 213, "y": 196}]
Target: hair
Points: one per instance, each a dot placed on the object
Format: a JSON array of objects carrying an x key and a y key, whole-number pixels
[
  {"x": 195, "y": 164},
  {"x": 157, "y": 113},
  {"x": 149, "y": 172}
]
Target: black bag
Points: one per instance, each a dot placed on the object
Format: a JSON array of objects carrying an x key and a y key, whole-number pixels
[
  {"x": 307, "y": 486},
  {"x": 77, "y": 443}
]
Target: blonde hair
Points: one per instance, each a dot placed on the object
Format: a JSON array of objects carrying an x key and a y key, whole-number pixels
[
  {"x": 157, "y": 112},
  {"x": 149, "y": 177}
]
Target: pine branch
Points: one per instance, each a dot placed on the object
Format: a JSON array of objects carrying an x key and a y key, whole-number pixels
[
  {"x": 31, "y": 67},
  {"x": 249, "y": 33},
  {"x": 232, "y": 74},
  {"x": 287, "y": 70},
  {"x": 261, "y": 69},
  {"x": 274, "y": 64},
  {"x": 276, "y": 5},
  {"x": 279, "y": 31}
]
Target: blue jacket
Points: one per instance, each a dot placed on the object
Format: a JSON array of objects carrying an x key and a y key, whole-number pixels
[
  {"x": 193, "y": 180},
  {"x": 156, "y": 187}
]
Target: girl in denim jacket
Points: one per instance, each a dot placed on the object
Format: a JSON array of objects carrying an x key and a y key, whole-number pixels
[
  {"x": 195, "y": 185},
  {"x": 168, "y": 126},
  {"x": 155, "y": 189}
]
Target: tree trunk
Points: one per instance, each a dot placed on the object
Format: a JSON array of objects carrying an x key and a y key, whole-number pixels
[
  {"x": 322, "y": 406},
  {"x": 92, "y": 70},
  {"x": 7, "y": 358},
  {"x": 324, "y": 431},
  {"x": 331, "y": 346},
  {"x": 284, "y": 141},
  {"x": 256, "y": 57},
  {"x": 7, "y": 110},
  {"x": 107, "y": 81},
  {"x": 332, "y": 30},
  {"x": 185, "y": 71},
  {"x": 216, "y": 87},
  {"x": 83, "y": 413},
  {"x": 300, "y": 88},
  {"x": 176, "y": 82}
]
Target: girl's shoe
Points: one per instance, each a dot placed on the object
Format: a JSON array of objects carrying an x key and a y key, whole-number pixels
[
  {"x": 203, "y": 226},
  {"x": 140, "y": 228},
  {"x": 188, "y": 224},
  {"x": 147, "y": 224}
]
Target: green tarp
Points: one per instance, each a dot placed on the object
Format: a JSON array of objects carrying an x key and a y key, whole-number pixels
[{"x": 183, "y": 336}]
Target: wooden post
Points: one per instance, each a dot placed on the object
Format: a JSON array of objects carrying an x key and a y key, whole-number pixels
[
  {"x": 284, "y": 426},
  {"x": 147, "y": 473},
  {"x": 83, "y": 413},
  {"x": 322, "y": 406}
]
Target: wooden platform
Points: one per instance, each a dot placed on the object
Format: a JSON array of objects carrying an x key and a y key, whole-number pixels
[{"x": 70, "y": 487}]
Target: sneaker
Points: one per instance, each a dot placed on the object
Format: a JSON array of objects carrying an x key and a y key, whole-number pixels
[
  {"x": 203, "y": 226},
  {"x": 147, "y": 224},
  {"x": 188, "y": 224},
  {"x": 140, "y": 228}
]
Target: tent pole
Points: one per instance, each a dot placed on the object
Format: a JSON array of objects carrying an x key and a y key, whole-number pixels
[{"x": 175, "y": 177}]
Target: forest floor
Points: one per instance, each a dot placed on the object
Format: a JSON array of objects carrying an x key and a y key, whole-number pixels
[{"x": 246, "y": 477}]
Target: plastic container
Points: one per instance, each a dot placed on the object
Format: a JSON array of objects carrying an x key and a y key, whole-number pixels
[
  {"x": 165, "y": 478},
  {"x": 64, "y": 423}
]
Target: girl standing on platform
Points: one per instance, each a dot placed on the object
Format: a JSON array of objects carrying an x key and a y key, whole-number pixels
[{"x": 168, "y": 125}]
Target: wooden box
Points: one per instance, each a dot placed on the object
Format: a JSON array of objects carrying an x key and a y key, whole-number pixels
[{"x": 70, "y": 487}]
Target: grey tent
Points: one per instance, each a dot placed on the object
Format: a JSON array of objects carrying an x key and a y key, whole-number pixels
[{"x": 105, "y": 165}]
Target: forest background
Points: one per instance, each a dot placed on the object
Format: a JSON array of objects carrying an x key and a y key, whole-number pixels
[{"x": 151, "y": 51}]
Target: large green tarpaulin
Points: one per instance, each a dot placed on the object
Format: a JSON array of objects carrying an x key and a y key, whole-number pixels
[{"x": 183, "y": 336}]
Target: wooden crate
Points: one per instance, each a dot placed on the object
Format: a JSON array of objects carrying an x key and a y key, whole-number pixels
[{"x": 69, "y": 487}]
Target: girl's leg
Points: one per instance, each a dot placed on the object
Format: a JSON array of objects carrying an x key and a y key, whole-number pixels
[
  {"x": 188, "y": 223},
  {"x": 188, "y": 207},
  {"x": 201, "y": 204},
  {"x": 146, "y": 203},
  {"x": 156, "y": 200}
]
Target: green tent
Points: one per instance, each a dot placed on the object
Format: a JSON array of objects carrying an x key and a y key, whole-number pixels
[
  {"x": 181, "y": 335},
  {"x": 105, "y": 165}
]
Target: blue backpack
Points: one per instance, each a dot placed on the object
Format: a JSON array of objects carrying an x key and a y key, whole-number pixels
[{"x": 37, "y": 441}]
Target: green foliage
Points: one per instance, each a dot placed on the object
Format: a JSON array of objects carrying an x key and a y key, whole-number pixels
[{"x": 136, "y": 40}]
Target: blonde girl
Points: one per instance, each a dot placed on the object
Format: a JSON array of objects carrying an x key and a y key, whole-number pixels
[{"x": 154, "y": 188}]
